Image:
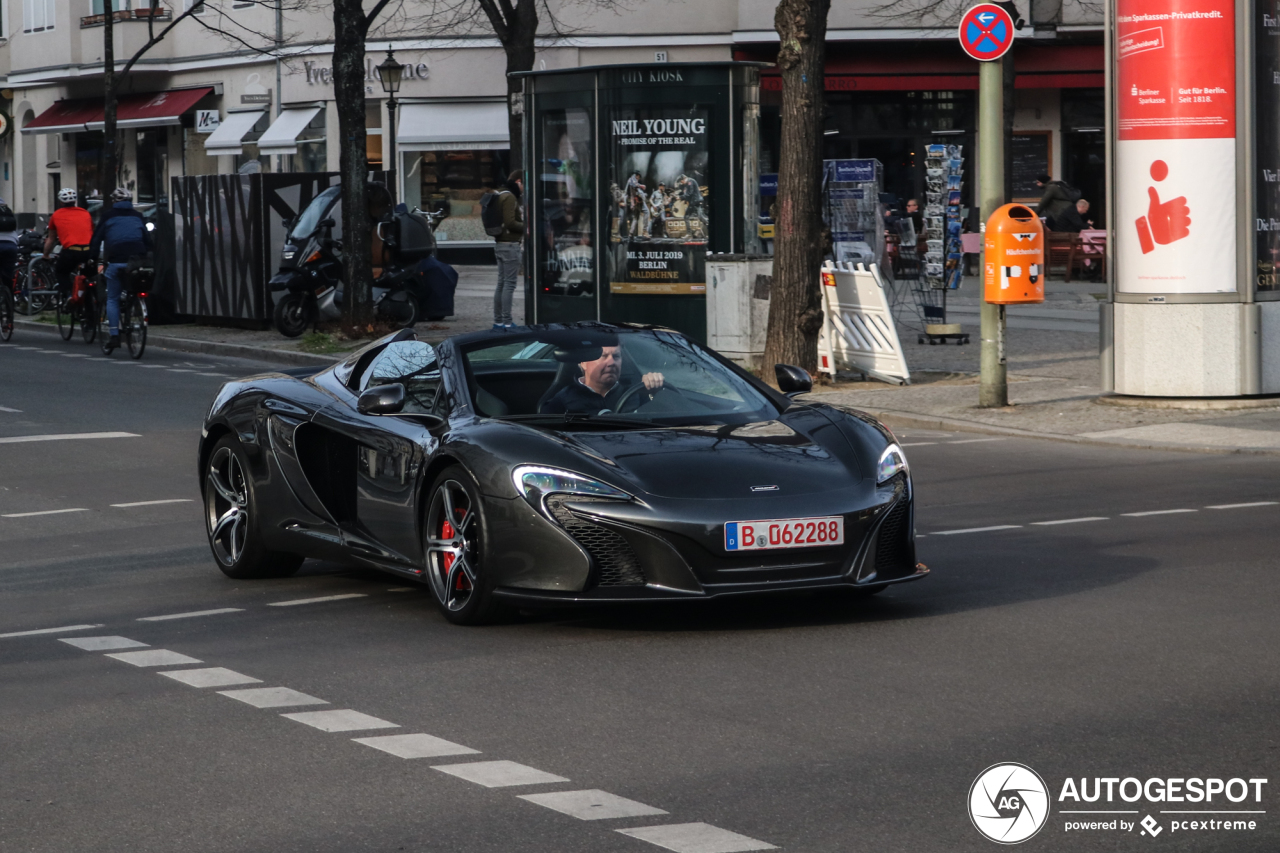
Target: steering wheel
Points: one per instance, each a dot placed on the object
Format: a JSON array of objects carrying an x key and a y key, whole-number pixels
[{"x": 634, "y": 391}]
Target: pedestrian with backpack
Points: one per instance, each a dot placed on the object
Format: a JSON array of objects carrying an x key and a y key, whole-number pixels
[
  {"x": 1058, "y": 197},
  {"x": 502, "y": 215}
]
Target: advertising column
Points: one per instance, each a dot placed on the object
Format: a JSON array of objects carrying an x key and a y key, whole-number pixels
[{"x": 1175, "y": 146}]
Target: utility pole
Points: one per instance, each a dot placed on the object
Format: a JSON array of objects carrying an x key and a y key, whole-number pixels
[{"x": 993, "y": 386}]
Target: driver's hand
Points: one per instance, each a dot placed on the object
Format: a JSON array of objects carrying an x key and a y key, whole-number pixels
[{"x": 652, "y": 381}]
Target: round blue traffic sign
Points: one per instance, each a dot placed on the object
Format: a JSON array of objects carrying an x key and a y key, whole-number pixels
[{"x": 986, "y": 32}]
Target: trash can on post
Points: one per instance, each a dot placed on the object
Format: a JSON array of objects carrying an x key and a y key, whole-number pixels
[{"x": 1013, "y": 257}]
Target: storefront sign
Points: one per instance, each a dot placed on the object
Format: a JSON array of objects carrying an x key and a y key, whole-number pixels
[
  {"x": 1175, "y": 150},
  {"x": 317, "y": 74},
  {"x": 855, "y": 171},
  {"x": 207, "y": 121},
  {"x": 768, "y": 185},
  {"x": 660, "y": 211}
]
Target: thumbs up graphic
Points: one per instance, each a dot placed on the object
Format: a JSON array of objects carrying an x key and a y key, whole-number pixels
[{"x": 1166, "y": 221}]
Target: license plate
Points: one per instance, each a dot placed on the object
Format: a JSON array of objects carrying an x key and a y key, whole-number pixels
[{"x": 783, "y": 533}]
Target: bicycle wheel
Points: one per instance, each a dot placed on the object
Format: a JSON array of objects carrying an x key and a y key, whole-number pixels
[
  {"x": 43, "y": 285},
  {"x": 89, "y": 315},
  {"x": 135, "y": 326},
  {"x": 21, "y": 292},
  {"x": 6, "y": 314},
  {"x": 66, "y": 315}
]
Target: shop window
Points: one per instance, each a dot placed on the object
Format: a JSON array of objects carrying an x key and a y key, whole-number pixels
[
  {"x": 373, "y": 134},
  {"x": 453, "y": 181},
  {"x": 153, "y": 165},
  {"x": 249, "y": 160},
  {"x": 89, "y": 164},
  {"x": 313, "y": 150}
]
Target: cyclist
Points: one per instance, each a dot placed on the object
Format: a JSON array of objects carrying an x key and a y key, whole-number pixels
[
  {"x": 72, "y": 228},
  {"x": 121, "y": 234}
]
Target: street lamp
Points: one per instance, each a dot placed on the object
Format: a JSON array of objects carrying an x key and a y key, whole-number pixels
[{"x": 389, "y": 73}]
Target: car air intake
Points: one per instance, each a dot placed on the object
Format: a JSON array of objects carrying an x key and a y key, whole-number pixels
[
  {"x": 892, "y": 557},
  {"x": 615, "y": 563}
]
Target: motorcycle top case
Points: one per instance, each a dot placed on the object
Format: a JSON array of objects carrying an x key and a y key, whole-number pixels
[{"x": 413, "y": 238}]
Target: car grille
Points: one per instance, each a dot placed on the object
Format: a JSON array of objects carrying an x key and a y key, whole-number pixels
[
  {"x": 616, "y": 564},
  {"x": 891, "y": 543}
]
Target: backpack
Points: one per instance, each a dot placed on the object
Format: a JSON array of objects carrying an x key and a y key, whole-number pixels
[
  {"x": 1073, "y": 195},
  {"x": 491, "y": 212},
  {"x": 8, "y": 222}
]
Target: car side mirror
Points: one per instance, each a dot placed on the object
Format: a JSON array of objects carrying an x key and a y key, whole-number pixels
[
  {"x": 793, "y": 380},
  {"x": 381, "y": 400}
]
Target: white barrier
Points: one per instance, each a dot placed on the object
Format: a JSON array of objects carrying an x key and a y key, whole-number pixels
[{"x": 858, "y": 332}]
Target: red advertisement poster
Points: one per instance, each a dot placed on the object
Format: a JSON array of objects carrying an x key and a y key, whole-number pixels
[{"x": 1175, "y": 64}]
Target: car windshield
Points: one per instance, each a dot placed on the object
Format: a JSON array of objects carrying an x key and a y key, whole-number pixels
[
  {"x": 614, "y": 377},
  {"x": 314, "y": 212}
]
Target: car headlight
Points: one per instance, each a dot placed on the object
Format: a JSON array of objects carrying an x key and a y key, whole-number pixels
[
  {"x": 288, "y": 254},
  {"x": 892, "y": 461},
  {"x": 535, "y": 482}
]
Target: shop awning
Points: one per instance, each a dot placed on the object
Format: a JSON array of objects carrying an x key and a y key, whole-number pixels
[
  {"x": 227, "y": 138},
  {"x": 282, "y": 136},
  {"x": 148, "y": 109},
  {"x": 453, "y": 126}
]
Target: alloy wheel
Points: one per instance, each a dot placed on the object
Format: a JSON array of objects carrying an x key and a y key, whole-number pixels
[
  {"x": 227, "y": 506},
  {"x": 452, "y": 538}
]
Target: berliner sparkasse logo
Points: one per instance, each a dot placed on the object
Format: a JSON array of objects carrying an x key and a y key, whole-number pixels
[{"x": 1008, "y": 803}]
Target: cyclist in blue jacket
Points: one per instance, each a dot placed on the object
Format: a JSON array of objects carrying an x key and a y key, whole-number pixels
[{"x": 121, "y": 234}]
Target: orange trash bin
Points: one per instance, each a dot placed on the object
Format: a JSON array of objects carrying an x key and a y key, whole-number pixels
[{"x": 1013, "y": 256}]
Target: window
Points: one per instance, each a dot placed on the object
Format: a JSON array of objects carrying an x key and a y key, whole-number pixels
[
  {"x": 412, "y": 364},
  {"x": 99, "y": 7},
  {"x": 38, "y": 15}
]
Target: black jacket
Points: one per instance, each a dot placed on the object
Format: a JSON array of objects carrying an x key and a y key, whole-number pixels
[{"x": 124, "y": 232}]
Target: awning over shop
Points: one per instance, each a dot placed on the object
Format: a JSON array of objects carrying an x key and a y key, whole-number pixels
[
  {"x": 227, "y": 138},
  {"x": 282, "y": 136},
  {"x": 453, "y": 126},
  {"x": 148, "y": 109}
]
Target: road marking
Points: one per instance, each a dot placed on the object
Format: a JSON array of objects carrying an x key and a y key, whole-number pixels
[
  {"x": 214, "y": 676},
  {"x": 401, "y": 589},
  {"x": 103, "y": 644},
  {"x": 499, "y": 774},
  {"x": 696, "y": 838},
  {"x": 272, "y": 697},
  {"x": 179, "y": 370},
  {"x": 216, "y": 375},
  {"x": 153, "y": 503},
  {"x": 19, "y": 439},
  {"x": 42, "y": 512},
  {"x": 152, "y": 366},
  {"x": 975, "y": 529},
  {"x": 154, "y": 657},
  {"x": 973, "y": 440},
  {"x": 916, "y": 443},
  {"x": 74, "y": 355},
  {"x": 39, "y": 631},
  {"x": 190, "y": 614},
  {"x": 1157, "y": 512},
  {"x": 298, "y": 601},
  {"x": 1242, "y": 506},
  {"x": 340, "y": 721},
  {"x": 416, "y": 746},
  {"x": 592, "y": 805},
  {"x": 7, "y": 409},
  {"x": 1071, "y": 520}
]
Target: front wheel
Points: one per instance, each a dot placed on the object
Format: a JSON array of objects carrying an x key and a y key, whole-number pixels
[
  {"x": 66, "y": 317},
  {"x": 6, "y": 314},
  {"x": 230, "y": 521},
  {"x": 134, "y": 326},
  {"x": 293, "y": 313},
  {"x": 454, "y": 536},
  {"x": 89, "y": 315}
]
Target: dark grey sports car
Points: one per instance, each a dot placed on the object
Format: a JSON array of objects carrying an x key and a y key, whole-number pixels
[{"x": 555, "y": 464}]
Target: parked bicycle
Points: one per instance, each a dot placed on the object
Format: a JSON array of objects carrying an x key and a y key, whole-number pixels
[
  {"x": 34, "y": 285},
  {"x": 133, "y": 307}
]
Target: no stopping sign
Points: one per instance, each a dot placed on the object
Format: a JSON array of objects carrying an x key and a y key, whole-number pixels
[{"x": 986, "y": 32}]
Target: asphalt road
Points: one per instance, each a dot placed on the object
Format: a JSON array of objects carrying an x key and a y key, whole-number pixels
[{"x": 1130, "y": 645}]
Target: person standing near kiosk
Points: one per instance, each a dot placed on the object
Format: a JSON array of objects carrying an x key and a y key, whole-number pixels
[{"x": 503, "y": 218}]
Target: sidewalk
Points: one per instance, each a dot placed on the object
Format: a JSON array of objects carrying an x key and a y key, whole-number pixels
[
  {"x": 473, "y": 307},
  {"x": 1054, "y": 386}
]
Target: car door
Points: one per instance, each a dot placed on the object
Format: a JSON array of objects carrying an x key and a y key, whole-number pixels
[{"x": 392, "y": 451}]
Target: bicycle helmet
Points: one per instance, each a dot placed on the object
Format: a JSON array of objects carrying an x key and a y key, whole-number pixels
[
  {"x": 121, "y": 194},
  {"x": 68, "y": 195}
]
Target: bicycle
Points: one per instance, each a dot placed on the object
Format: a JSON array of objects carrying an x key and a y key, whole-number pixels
[
  {"x": 79, "y": 306},
  {"x": 31, "y": 296},
  {"x": 133, "y": 307},
  {"x": 6, "y": 313}
]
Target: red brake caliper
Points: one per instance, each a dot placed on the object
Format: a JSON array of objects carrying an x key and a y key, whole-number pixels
[{"x": 446, "y": 532}]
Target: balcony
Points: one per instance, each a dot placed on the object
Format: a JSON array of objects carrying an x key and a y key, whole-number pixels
[{"x": 161, "y": 14}]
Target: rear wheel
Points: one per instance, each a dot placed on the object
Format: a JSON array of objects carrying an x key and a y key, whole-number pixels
[
  {"x": 6, "y": 314},
  {"x": 454, "y": 534},
  {"x": 293, "y": 314},
  {"x": 66, "y": 317},
  {"x": 402, "y": 309},
  {"x": 89, "y": 316},
  {"x": 230, "y": 519},
  {"x": 136, "y": 325}
]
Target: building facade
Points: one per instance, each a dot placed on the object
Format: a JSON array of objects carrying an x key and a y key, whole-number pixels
[{"x": 200, "y": 102}]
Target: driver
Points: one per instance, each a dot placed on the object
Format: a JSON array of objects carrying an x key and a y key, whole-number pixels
[{"x": 598, "y": 388}]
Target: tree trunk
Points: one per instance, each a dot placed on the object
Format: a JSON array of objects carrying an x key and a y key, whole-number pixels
[
  {"x": 795, "y": 303},
  {"x": 110, "y": 151},
  {"x": 350, "y": 26},
  {"x": 520, "y": 50}
]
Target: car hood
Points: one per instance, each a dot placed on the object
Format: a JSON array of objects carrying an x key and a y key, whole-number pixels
[{"x": 798, "y": 454}]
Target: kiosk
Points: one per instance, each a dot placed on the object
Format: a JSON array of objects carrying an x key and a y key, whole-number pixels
[
  {"x": 635, "y": 173},
  {"x": 1194, "y": 308}
]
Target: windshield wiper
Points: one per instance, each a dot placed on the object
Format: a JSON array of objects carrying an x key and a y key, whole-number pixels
[{"x": 581, "y": 418}]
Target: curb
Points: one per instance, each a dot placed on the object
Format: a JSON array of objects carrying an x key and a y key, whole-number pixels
[
  {"x": 911, "y": 419},
  {"x": 271, "y": 356}
]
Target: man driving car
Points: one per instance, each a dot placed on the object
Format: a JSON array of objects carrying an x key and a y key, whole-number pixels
[{"x": 598, "y": 388}]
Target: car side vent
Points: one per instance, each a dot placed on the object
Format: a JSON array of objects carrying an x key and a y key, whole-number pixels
[
  {"x": 616, "y": 564},
  {"x": 891, "y": 544}
]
